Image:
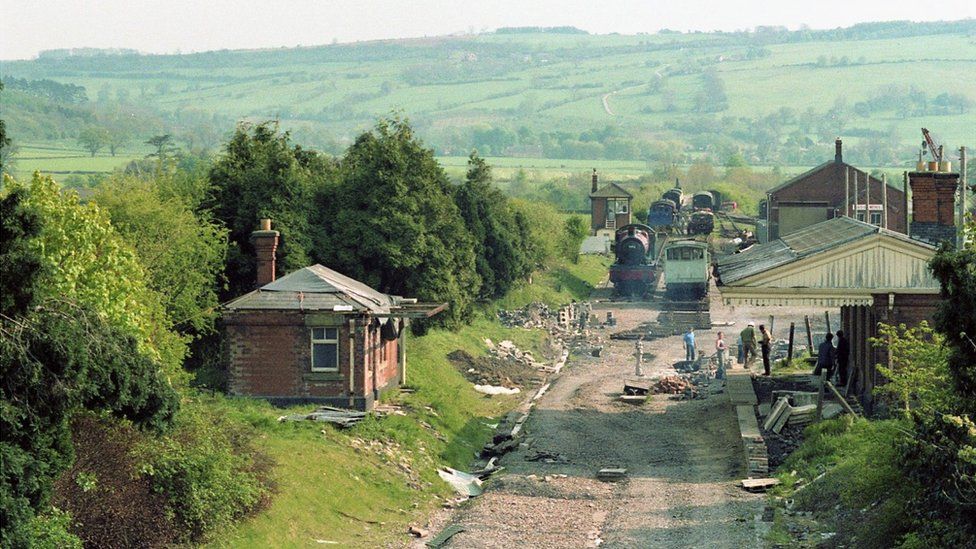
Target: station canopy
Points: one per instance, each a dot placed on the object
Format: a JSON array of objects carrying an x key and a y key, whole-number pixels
[{"x": 837, "y": 262}]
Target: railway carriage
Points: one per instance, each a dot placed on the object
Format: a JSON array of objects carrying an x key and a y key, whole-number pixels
[
  {"x": 662, "y": 214},
  {"x": 686, "y": 270}
]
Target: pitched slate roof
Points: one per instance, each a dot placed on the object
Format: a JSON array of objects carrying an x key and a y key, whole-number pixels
[
  {"x": 611, "y": 190},
  {"x": 315, "y": 288},
  {"x": 803, "y": 243}
]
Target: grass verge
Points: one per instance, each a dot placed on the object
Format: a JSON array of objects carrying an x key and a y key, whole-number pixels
[{"x": 363, "y": 486}]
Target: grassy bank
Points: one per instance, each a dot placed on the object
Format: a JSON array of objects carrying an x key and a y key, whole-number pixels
[
  {"x": 363, "y": 486},
  {"x": 844, "y": 486}
]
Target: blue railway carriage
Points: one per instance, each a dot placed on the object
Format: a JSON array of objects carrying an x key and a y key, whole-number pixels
[
  {"x": 686, "y": 270},
  {"x": 662, "y": 214},
  {"x": 674, "y": 195},
  {"x": 703, "y": 200}
]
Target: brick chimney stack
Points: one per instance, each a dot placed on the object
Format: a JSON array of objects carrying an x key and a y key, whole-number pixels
[
  {"x": 838, "y": 151},
  {"x": 595, "y": 182},
  {"x": 265, "y": 243},
  {"x": 933, "y": 205}
]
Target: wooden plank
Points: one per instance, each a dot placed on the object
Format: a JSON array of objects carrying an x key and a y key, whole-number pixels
[
  {"x": 759, "y": 484},
  {"x": 843, "y": 401},
  {"x": 806, "y": 319}
]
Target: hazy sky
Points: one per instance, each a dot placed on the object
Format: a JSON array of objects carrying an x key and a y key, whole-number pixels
[{"x": 167, "y": 26}]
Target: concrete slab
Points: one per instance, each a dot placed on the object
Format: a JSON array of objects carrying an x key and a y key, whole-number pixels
[
  {"x": 738, "y": 384},
  {"x": 748, "y": 426}
]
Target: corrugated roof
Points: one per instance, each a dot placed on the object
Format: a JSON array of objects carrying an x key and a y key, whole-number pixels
[
  {"x": 314, "y": 288},
  {"x": 611, "y": 191},
  {"x": 805, "y": 242}
]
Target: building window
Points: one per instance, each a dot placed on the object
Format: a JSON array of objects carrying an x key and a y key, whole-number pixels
[
  {"x": 325, "y": 349},
  {"x": 876, "y": 218},
  {"x": 860, "y": 216}
]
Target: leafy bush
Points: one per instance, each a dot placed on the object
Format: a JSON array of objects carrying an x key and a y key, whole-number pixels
[
  {"x": 918, "y": 376},
  {"x": 207, "y": 470},
  {"x": 51, "y": 531}
]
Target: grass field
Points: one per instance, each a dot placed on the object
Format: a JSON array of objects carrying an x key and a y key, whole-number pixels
[
  {"x": 543, "y": 81},
  {"x": 61, "y": 159}
]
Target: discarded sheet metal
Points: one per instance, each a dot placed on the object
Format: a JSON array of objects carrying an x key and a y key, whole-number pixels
[
  {"x": 337, "y": 416},
  {"x": 446, "y": 534},
  {"x": 637, "y": 388},
  {"x": 463, "y": 483}
]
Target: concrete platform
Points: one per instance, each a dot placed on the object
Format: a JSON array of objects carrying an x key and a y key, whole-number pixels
[
  {"x": 742, "y": 396},
  {"x": 739, "y": 386}
]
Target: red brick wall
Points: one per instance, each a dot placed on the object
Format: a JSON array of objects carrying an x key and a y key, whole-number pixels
[
  {"x": 598, "y": 213},
  {"x": 827, "y": 185},
  {"x": 933, "y": 197},
  {"x": 268, "y": 354}
]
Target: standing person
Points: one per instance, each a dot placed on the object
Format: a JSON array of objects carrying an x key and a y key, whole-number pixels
[
  {"x": 639, "y": 355},
  {"x": 689, "y": 345},
  {"x": 740, "y": 358},
  {"x": 843, "y": 357},
  {"x": 826, "y": 355},
  {"x": 765, "y": 343},
  {"x": 749, "y": 343},
  {"x": 720, "y": 350}
]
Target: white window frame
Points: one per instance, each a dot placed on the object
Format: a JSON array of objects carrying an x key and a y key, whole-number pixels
[
  {"x": 880, "y": 218},
  {"x": 325, "y": 340}
]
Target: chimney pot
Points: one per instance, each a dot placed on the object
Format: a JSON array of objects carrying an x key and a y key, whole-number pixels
[
  {"x": 838, "y": 151},
  {"x": 265, "y": 224}
]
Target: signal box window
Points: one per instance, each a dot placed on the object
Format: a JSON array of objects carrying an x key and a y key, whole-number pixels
[
  {"x": 325, "y": 349},
  {"x": 876, "y": 218}
]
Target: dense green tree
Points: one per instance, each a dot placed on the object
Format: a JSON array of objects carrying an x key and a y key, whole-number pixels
[
  {"x": 501, "y": 257},
  {"x": 391, "y": 222},
  {"x": 262, "y": 175},
  {"x": 575, "y": 230},
  {"x": 84, "y": 260},
  {"x": 53, "y": 361},
  {"x": 182, "y": 252},
  {"x": 4, "y": 143},
  {"x": 956, "y": 272},
  {"x": 19, "y": 263},
  {"x": 93, "y": 139}
]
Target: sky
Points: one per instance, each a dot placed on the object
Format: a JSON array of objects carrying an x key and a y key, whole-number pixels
[{"x": 170, "y": 26}]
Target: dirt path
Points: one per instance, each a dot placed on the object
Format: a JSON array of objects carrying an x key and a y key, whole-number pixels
[{"x": 682, "y": 457}]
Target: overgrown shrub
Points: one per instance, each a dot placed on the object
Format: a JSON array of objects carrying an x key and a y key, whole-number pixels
[{"x": 207, "y": 470}]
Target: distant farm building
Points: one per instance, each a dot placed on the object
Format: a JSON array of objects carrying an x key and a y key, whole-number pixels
[
  {"x": 609, "y": 208},
  {"x": 315, "y": 335},
  {"x": 831, "y": 190}
]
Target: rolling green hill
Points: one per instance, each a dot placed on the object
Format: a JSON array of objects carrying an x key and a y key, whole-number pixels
[{"x": 778, "y": 97}]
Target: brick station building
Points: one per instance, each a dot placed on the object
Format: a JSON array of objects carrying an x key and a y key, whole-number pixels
[
  {"x": 830, "y": 190},
  {"x": 872, "y": 274},
  {"x": 609, "y": 208},
  {"x": 315, "y": 335}
]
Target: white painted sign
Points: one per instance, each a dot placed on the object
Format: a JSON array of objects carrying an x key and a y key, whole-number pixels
[{"x": 871, "y": 207}]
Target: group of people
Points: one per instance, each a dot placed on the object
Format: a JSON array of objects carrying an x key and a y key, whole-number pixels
[
  {"x": 751, "y": 344},
  {"x": 834, "y": 359}
]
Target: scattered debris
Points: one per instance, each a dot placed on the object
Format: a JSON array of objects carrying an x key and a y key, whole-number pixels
[
  {"x": 637, "y": 388},
  {"x": 445, "y": 535},
  {"x": 418, "y": 532},
  {"x": 463, "y": 483},
  {"x": 338, "y": 416},
  {"x": 634, "y": 399},
  {"x": 547, "y": 457},
  {"x": 611, "y": 474},
  {"x": 496, "y": 390},
  {"x": 672, "y": 385},
  {"x": 759, "y": 484}
]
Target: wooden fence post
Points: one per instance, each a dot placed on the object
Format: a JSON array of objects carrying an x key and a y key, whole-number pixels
[
  {"x": 827, "y": 318},
  {"x": 806, "y": 319},
  {"x": 820, "y": 394},
  {"x": 789, "y": 351}
]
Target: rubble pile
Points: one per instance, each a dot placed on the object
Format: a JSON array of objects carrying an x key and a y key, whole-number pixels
[
  {"x": 510, "y": 372},
  {"x": 780, "y": 348},
  {"x": 533, "y": 315},
  {"x": 672, "y": 385}
]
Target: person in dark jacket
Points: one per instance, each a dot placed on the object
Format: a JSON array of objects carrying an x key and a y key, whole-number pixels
[
  {"x": 843, "y": 357},
  {"x": 826, "y": 356},
  {"x": 765, "y": 344}
]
